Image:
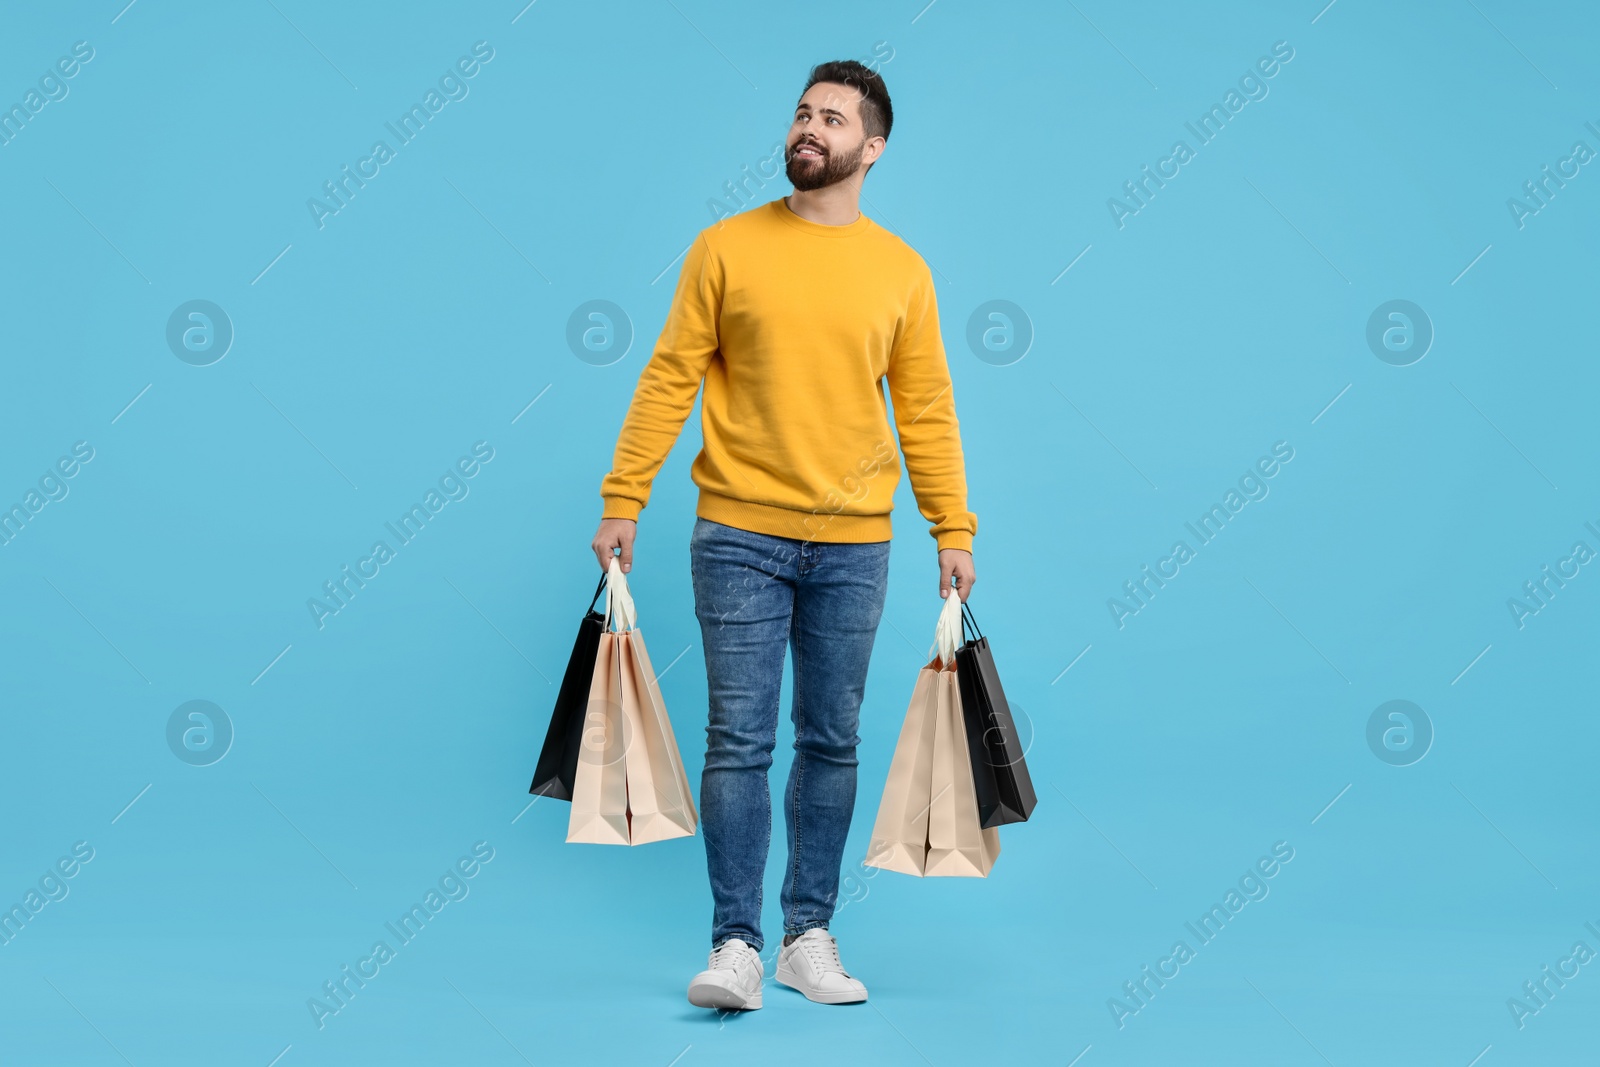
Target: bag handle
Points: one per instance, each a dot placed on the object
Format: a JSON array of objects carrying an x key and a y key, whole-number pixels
[
  {"x": 597, "y": 591},
  {"x": 619, "y": 601},
  {"x": 966, "y": 614},
  {"x": 947, "y": 632}
]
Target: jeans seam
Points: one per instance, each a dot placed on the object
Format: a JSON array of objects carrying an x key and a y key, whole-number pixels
[{"x": 800, "y": 759}]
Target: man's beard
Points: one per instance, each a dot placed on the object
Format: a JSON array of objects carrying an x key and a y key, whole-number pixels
[{"x": 806, "y": 175}]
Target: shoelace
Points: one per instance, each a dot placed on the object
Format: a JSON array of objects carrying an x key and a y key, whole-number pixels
[
  {"x": 730, "y": 955},
  {"x": 823, "y": 952}
]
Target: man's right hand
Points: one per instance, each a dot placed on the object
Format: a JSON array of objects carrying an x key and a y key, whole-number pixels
[{"x": 614, "y": 534}]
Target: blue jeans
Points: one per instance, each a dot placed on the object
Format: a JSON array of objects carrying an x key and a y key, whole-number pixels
[{"x": 754, "y": 594}]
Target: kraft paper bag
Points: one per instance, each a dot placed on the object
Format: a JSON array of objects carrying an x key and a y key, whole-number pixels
[
  {"x": 900, "y": 834},
  {"x": 658, "y": 789},
  {"x": 958, "y": 845},
  {"x": 670, "y": 740},
  {"x": 599, "y": 788}
]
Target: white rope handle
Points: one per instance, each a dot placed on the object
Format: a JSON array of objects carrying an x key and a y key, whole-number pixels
[
  {"x": 947, "y": 635},
  {"x": 619, "y": 601}
]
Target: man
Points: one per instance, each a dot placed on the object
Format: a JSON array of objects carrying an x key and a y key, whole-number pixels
[{"x": 793, "y": 314}]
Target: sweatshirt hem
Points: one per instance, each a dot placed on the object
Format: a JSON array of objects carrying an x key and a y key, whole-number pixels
[{"x": 776, "y": 521}]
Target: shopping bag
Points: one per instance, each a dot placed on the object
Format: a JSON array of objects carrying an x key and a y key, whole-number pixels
[
  {"x": 658, "y": 789},
  {"x": 1000, "y": 773},
  {"x": 630, "y": 783},
  {"x": 928, "y": 818},
  {"x": 958, "y": 845},
  {"x": 900, "y": 835},
  {"x": 558, "y": 759},
  {"x": 669, "y": 739},
  {"x": 600, "y": 786}
]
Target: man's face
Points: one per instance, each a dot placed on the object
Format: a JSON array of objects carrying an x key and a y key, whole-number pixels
[{"x": 826, "y": 142}]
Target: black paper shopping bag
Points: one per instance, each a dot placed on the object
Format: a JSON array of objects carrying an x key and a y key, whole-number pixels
[
  {"x": 1005, "y": 789},
  {"x": 558, "y": 760}
]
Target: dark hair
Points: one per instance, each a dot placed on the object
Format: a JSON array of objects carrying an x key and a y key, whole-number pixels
[{"x": 877, "y": 114}]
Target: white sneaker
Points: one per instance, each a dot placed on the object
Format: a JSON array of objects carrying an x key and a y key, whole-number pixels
[
  {"x": 810, "y": 963},
  {"x": 732, "y": 979}
]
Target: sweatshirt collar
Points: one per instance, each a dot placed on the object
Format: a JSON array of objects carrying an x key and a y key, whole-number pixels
[{"x": 784, "y": 212}]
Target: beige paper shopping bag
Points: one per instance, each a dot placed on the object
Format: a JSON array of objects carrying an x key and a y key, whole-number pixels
[
  {"x": 670, "y": 739},
  {"x": 658, "y": 789},
  {"x": 900, "y": 835},
  {"x": 599, "y": 787},
  {"x": 958, "y": 845}
]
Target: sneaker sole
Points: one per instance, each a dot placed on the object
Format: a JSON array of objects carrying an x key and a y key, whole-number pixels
[
  {"x": 786, "y": 977},
  {"x": 705, "y": 994}
]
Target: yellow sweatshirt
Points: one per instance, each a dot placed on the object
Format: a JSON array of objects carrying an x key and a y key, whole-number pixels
[{"x": 794, "y": 327}]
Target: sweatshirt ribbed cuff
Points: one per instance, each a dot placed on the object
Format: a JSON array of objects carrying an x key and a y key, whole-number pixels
[
  {"x": 621, "y": 507},
  {"x": 955, "y": 539}
]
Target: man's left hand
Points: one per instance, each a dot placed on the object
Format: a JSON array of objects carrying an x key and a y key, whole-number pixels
[{"x": 956, "y": 562}]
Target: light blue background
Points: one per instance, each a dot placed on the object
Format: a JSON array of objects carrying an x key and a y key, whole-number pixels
[{"x": 1229, "y": 314}]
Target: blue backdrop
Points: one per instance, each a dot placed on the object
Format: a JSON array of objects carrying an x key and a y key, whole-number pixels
[{"x": 1335, "y": 347}]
